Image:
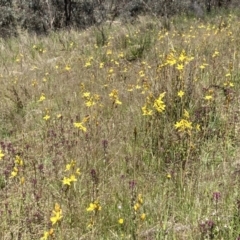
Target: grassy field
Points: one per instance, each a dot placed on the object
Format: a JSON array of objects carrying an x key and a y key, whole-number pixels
[{"x": 122, "y": 132}]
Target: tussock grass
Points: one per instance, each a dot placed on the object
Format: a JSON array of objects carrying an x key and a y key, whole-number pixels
[{"x": 128, "y": 132}]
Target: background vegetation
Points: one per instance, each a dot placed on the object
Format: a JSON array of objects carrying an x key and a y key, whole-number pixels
[
  {"x": 122, "y": 131},
  {"x": 42, "y": 17}
]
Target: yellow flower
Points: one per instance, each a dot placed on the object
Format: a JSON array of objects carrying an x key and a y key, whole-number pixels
[
  {"x": 136, "y": 206},
  {"x": 101, "y": 65},
  {"x": 57, "y": 207},
  {"x": 181, "y": 93},
  {"x": 80, "y": 126},
  {"x": 109, "y": 52},
  {"x": 180, "y": 67},
  {"x": 110, "y": 70},
  {"x": 14, "y": 172},
  {"x": 18, "y": 161},
  {"x": 140, "y": 199},
  {"x": 94, "y": 207},
  {"x": 146, "y": 111},
  {"x": 120, "y": 221},
  {"x": 121, "y": 55},
  {"x": 18, "y": 59},
  {"x": 90, "y": 102},
  {"x": 67, "y": 68},
  {"x": 113, "y": 94},
  {"x": 186, "y": 114},
  {"x": 73, "y": 178},
  {"x": 56, "y": 218},
  {"x": 228, "y": 84},
  {"x": 70, "y": 165},
  {"x": 45, "y": 236},
  {"x": 228, "y": 75},
  {"x": 208, "y": 97},
  {"x": 1, "y": 154},
  {"x": 183, "y": 125},
  {"x": 182, "y": 56},
  {"x": 78, "y": 171},
  {"x": 141, "y": 73},
  {"x": 66, "y": 181},
  {"x": 91, "y": 207},
  {"x": 42, "y": 98},
  {"x": 143, "y": 216},
  {"x": 88, "y": 64},
  {"x": 117, "y": 101},
  {"x": 46, "y": 117},
  {"x": 216, "y": 53},
  {"x": 159, "y": 104},
  {"x": 56, "y": 214},
  {"x": 86, "y": 95},
  {"x": 90, "y": 224},
  {"x": 171, "y": 60},
  {"x": 203, "y": 65}
]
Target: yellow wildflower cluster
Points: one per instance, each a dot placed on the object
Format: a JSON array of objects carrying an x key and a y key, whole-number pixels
[
  {"x": 184, "y": 125},
  {"x": 180, "y": 60},
  {"x": 80, "y": 125},
  {"x": 48, "y": 234},
  {"x": 94, "y": 207},
  {"x": 47, "y": 116},
  {"x": 209, "y": 95},
  {"x": 18, "y": 164},
  {"x": 89, "y": 62},
  {"x": 70, "y": 168},
  {"x": 114, "y": 96},
  {"x": 159, "y": 104},
  {"x": 154, "y": 104},
  {"x": 137, "y": 206},
  {"x": 90, "y": 100},
  {"x": 56, "y": 214}
]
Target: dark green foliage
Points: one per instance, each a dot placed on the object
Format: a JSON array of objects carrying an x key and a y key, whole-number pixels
[
  {"x": 42, "y": 16},
  {"x": 7, "y": 22}
]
